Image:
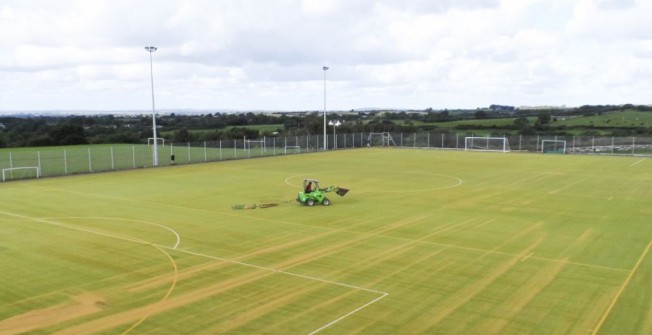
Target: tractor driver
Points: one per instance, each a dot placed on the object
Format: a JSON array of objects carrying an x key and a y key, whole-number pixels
[{"x": 309, "y": 187}]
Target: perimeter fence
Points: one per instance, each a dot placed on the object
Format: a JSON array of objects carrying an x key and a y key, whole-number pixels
[{"x": 22, "y": 163}]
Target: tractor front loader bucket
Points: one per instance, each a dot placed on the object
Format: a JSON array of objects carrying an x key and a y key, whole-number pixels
[{"x": 341, "y": 191}]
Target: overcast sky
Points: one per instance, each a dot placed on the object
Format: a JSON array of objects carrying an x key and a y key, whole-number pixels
[{"x": 269, "y": 54}]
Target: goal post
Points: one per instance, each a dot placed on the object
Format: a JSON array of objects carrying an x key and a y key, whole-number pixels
[
  {"x": 499, "y": 144},
  {"x": 150, "y": 140},
  {"x": 23, "y": 172},
  {"x": 553, "y": 146},
  {"x": 251, "y": 144},
  {"x": 292, "y": 148},
  {"x": 385, "y": 138}
]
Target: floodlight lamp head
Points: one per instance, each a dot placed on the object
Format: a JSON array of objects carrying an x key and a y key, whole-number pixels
[
  {"x": 325, "y": 68},
  {"x": 151, "y": 49}
]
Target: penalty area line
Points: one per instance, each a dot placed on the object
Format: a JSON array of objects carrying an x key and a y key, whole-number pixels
[
  {"x": 326, "y": 281},
  {"x": 637, "y": 162},
  {"x": 348, "y": 314},
  {"x": 174, "y": 248}
]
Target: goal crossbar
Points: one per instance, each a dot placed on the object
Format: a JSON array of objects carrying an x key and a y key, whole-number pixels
[
  {"x": 296, "y": 148},
  {"x": 386, "y": 139},
  {"x": 11, "y": 170},
  {"x": 150, "y": 140},
  {"x": 553, "y": 146},
  {"x": 472, "y": 143}
]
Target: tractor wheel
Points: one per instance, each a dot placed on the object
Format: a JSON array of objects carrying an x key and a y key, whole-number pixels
[
  {"x": 325, "y": 202},
  {"x": 310, "y": 202}
]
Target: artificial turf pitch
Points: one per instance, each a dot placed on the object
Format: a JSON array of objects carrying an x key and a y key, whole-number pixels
[{"x": 426, "y": 242}]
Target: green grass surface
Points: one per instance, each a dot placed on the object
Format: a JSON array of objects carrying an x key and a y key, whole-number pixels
[
  {"x": 426, "y": 242},
  {"x": 625, "y": 119},
  {"x": 75, "y": 159},
  {"x": 615, "y": 119}
]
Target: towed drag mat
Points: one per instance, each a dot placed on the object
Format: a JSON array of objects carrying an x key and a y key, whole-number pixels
[
  {"x": 254, "y": 206},
  {"x": 338, "y": 190}
]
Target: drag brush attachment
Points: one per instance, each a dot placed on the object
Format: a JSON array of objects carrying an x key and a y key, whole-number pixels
[
  {"x": 240, "y": 206},
  {"x": 260, "y": 205},
  {"x": 341, "y": 191}
]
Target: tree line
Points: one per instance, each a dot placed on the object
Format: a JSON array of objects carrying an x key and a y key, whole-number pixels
[{"x": 34, "y": 130}]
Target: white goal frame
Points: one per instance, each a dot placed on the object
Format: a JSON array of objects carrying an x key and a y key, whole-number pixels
[
  {"x": 386, "y": 139},
  {"x": 543, "y": 145},
  {"x": 503, "y": 144},
  {"x": 297, "y": 148},
  {"x": 247, "y": 144},
  {"x": 151, "y": 140},
  {"x": 11, "y": 170}
]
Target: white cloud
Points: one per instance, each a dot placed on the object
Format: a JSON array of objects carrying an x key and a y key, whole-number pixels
[{"x": 258, "y": 54}]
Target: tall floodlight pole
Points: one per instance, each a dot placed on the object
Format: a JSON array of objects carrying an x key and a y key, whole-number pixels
[
  {"x": 325, "y": 68},
  {"x": 151, "y": 49}
]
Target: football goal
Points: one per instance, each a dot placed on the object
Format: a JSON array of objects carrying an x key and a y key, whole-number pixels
[
  {"x": 292, "y": 149},
  {"x": 22, "y": 172},
  {"x": 553, "y": 146},
  {"x": 150, "y": 140},
  {"x": 384, "y": 139},
  {"x": 500, "y": 144},
  {"x": 255, "y": 144}
]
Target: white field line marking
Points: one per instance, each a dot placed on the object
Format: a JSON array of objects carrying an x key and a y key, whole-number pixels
[
  {"x": 230, "y": 213},
  {"x": 622, "y": 288},
  {"x": 116, "y": 236},
  {"x": 167, "y": 294},
  {"x": 126, "y": 238},
  {"x": 294, "y": 274},
  {"x": 458, "y": 180},
  {"x": 127, "y": 220},
  {"x": 329, "y": 324},
  {"x": 70, "y": 226},
  {"x": 346, "y": 315},
  {"x": 642, "y": 159},
  {"x": 528, "y": 256}
]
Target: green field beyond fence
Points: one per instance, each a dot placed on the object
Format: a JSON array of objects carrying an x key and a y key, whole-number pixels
[
  {"x": 425, "y": 242},
  {"x": 25, "y": 163}
]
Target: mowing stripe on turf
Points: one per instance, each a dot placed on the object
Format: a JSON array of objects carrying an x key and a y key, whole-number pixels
[
  {"x": 160, "y": 247},
  {"x": 622, "y": 288}
]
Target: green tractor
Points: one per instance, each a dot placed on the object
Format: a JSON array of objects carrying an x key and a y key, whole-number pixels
[{"x": 312, "y": 194}]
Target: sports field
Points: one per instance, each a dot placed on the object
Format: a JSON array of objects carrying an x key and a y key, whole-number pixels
[{"x": 425, "y": 242}]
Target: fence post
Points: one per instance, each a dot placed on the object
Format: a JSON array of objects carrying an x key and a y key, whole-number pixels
[
  {"x": 39, "y": 171},
  {"x": 90, "y": 163},
  {"x": 65, "y": 162},
  {"x": 112, "y": 162},
  {"x": 133, "y": 154}
]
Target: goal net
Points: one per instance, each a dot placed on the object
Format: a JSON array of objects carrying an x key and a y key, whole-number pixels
[
  {"x": 160, "y": 140},
  {"x": 257, "y": 145},
  {"x": 23, "y": 172},
  {"x": 291, "y": 149},
  {"x": 383, "y": 139},
  {"x": 500, "y": 144},
  {"x": 553, "y": 146}
]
